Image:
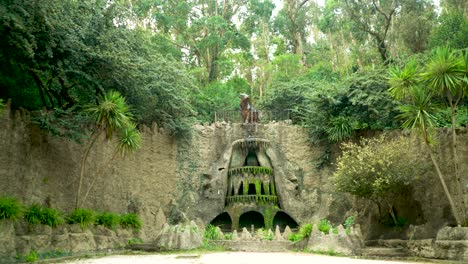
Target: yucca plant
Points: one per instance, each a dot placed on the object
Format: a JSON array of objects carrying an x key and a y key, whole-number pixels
[
  {"x": 417, "y": 114},
  {"x": 111, "y": 114}
]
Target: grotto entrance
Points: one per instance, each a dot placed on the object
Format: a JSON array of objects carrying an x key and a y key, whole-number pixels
[
  {"x": 282, "y": 220},
  {"x": 250, "y": 219},
  {"x": 223, "y": 221}
]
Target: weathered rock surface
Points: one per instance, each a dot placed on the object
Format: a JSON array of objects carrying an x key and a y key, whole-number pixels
[{"x": 177, "y": 237}]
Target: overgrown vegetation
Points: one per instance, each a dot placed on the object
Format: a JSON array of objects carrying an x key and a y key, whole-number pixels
[
  {"x": 378, "y": 169},
  {"x": 36, "y": 214},
  {"x": 131, "y": 221},
  {"x": 83, "y": 217},
  {"x": 10, "y": 209}
]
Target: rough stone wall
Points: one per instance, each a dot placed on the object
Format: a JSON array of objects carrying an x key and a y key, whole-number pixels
[
  {"x": 38, "y": 168},
  {"x": 181, "y": 181}
]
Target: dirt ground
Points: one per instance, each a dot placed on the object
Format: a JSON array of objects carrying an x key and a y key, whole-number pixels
[{"x": 233, "y": 258}]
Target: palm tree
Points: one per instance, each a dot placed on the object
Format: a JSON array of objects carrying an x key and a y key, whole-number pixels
[
  {"x": 444, "y": 76},
  {"x": 416, "y": 115},
  {"x": 129, "y": 142},
  {"x": 109, "y": 115}
]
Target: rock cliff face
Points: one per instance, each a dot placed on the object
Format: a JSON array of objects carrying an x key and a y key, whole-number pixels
[{"x": 178, "y": 181}]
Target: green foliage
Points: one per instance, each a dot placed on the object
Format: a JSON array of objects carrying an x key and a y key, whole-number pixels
[
  {"x": 37, "y": 214},
  {"x": 374, "y": 169},
  {"x": 452, "y": 31},
  {"x": 83, "y": 217},
  {"x": 2, "y": 106},
  {"x": 349, "y": 222},
  {"x": 211, "y": 233},
  {"x": 325, "y": 226},
  {"x": 228, "y": 236},
  {"x": 10, "y": 208},
  {"x": 67, "y": 123},
  {"x": 33, "y": 214},
  {"x": 305, "y": 230},
  {"x": 107, "y": 219},
  {"x": 32, "y": 256},
  {"x": 267, "y": 235},
  {"x": 134, "y": 241},
  {"x": 294, "y": 237},
  {"x": 131, "y": 221},
  {"x": 303, "y": 233},
  {"x": 51, "y": 217},
  {"x": 215, "y": 97}
]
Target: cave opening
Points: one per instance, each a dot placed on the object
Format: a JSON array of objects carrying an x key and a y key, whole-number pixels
[
  {"x": 251, "y": 218},
  {"x": 282, "y": 220},
  {"x": 223, "y": 221}
]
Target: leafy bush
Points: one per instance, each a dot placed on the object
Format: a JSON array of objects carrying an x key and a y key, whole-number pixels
[
  {"x": 135, "y": 240},
  {"x": 84, "y": 217},
  {"x": 228, "y": 236},
  {"x": 32, "y": 256},
  {"x": 294, "y": 237},
  {"x": 10, "y": 208},
  {"x": 325, "y": 226},
  {"x": 266, "y": 235},
  {"x": 107, "y": 219},
  {"x": 131, "y": 221},
  {"x": 37, "y": 214},
  {"x": 305, "y": 230},
  {"x": 51, "y": 217},
  {"x": 33, "y": 214},
  {"x": 211, "y": 233},
  {"x": 349, "y": 222}
]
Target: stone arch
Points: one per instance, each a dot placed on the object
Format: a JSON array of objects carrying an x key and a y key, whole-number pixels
[
  {"x": 251, "y": 218},
  {"x": 282, "y": 220},
  {"x": 223, "y": 221}
]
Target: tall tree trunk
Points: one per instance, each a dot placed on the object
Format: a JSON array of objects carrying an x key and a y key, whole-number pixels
[
  {"x": 94, "y": 137},
  {"x": 460, "y": 188},
  {"x": 442, "y": 181},
  {"x": 40, "y": 86},
  {"x": 98, "y": 174}
]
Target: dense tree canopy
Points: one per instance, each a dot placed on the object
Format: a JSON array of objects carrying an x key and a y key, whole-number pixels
[{"x": 181, "y": 61}]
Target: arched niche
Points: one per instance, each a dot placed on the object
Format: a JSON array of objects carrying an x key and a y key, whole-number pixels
[
  {"x": 282, "y": 220},
  {"x": 223, "y": 221},
  {"x": 251, "y": 218}
]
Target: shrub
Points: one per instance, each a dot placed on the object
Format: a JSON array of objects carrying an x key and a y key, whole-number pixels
[
  {"x": 325, "y": 226},
  {"x": 131, "y": 221},
  {"x": 305, "y": 230},
  {"x": 33, "y": 214},
  {"x": 294, "y": 237},
  {"x": 51, "y": 217},
  {"x": 32, "y": 256},
  {"x": 211, "y": 233},
  {"x": 228, "y": 236},
  {"x": 107, "y": 219},
  {"x": 349, "y": 222},
  {"x": 84, "y": 217},
  {"x": 10, "y": 208},
  {"x": 37, "y": 214},
  {"x": 266, "y": 235},
  {"x": 134, "y": 241}
]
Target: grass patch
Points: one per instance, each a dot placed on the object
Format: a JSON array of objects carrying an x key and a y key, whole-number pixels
[
  {"x": 83, "y": 217},
  {"x": 131, "y": 221},
  {"x": 107, "y": 219},
  {"x": 10, "y": 208}
]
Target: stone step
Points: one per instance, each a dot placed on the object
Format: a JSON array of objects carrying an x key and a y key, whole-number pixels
[
  {"x": 256, "y": 246},
  {"x": 386, "y": 252}
]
